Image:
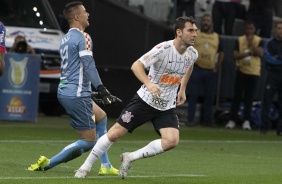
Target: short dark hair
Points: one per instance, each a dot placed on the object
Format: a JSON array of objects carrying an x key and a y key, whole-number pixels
[
  {"x": 68, "y": 10},
  {"x": 180, "y": 23}
]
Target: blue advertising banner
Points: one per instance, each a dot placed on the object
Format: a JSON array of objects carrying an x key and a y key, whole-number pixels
[{"x": 19, "y": 87}]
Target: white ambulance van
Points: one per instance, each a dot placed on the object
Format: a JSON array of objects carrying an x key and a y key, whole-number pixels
[{"x": 35, "y": 20}]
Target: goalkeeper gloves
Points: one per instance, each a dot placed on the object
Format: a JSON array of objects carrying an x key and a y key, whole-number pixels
[{"x": 106, "y": 96}]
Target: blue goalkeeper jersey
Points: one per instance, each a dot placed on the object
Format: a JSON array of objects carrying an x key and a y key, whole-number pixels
[{"x": 78, "y": 68}]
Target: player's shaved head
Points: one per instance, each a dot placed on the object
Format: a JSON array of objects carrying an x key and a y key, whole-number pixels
[{"x": 71, "y": 9}]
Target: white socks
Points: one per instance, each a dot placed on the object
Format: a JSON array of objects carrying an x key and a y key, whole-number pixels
[
  {"x": 101, "y": 146},
  {"x": 152, "y": 149}
]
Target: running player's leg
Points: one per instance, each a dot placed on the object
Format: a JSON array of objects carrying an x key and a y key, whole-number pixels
[
  {"x": 114, "y": 133},
  {"x": 101, "y": 129},
  {"x": 101, "y": 146},
  {"x": 80, "y": 111},
  {"x": 166, "y": 124}
]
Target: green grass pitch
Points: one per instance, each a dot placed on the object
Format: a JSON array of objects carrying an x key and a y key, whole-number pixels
[{"x": 203, "y": 156}]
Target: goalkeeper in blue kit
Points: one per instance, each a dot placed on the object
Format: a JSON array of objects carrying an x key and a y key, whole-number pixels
[
  {"x": 2, "y": 48},
  {"x": 78, "y": 72}
]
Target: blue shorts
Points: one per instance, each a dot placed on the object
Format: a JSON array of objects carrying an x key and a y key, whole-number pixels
[{"x": 80, "y": 110}]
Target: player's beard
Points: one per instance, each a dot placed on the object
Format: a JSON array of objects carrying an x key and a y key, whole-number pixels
[{"x": 188, "y": 43}]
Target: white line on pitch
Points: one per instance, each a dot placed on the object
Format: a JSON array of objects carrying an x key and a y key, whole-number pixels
[
  {"x": 144, "y": 141},
  {"x": 99, "y": 177}
]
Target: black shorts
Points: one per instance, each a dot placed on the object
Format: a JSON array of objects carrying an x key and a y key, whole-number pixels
[{"x": 138, "y": 112}]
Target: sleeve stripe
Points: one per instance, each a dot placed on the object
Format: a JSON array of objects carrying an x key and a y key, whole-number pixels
[{"x": 85, "y": 53}]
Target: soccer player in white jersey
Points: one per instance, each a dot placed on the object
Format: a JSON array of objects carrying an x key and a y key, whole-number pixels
[
  {"x": 2, "y": 48},
  {"x": 170, "y": 65},
  {"x": 78, "y": 72}
]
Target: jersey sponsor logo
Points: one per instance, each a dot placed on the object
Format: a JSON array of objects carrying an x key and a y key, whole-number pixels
[
  {"x": 160, "y": 102},
  {"x": 149, "y": 58},
  {"x": 126, "y": 117},
  {"x": 170, "y": 79},
  {"x": 173, "y": 72}
]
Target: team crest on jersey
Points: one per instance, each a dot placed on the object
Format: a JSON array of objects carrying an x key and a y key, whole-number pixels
[
  {"x": 126, "y": 117},
  {"x": 187, "y": 60}
]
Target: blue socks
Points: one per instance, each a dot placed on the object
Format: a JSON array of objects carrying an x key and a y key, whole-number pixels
[
  {"x": 70, "y": 152},
  {"x": 75, "y": 149},
  {"x": 101, "y": 129}
]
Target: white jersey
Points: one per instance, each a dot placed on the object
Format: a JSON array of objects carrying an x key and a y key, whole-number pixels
[{"x": 166, "y": 68}]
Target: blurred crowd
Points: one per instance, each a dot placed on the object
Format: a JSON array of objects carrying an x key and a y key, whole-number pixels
[{"x": 228, "y": 15}]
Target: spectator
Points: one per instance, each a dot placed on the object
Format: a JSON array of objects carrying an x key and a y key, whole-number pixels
[
  {"x": 20, "y": 45},
  {"x": 204, "y": 76},
  {"x": 224, "y": 13},
  {"x": 261, "y": 13},
  {"x": 273, "y": 83},
  {"x": 186, "y": 6},
  {"x": 248, "y": 52}
]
